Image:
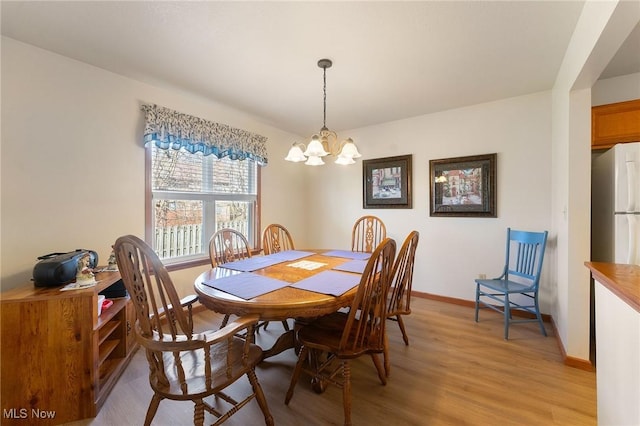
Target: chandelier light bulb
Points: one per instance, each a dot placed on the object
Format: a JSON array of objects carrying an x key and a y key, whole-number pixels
[
  {"x": 350, "y": 150},
  {"x": 295, "y": 154},
  {"x": 344, "y": 161},
  {"x": 315, "y": 148},
  {"x": 314, "y": 161}
]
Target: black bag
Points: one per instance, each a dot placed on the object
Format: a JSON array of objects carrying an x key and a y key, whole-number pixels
[
  {"x": 55, "y": 269},
  {"x": 115, "y": 290}
]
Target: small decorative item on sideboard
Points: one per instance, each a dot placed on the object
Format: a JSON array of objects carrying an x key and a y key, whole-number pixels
[
  {"x": 106, "y": 304},
  {"x": 112, "y": 265}
]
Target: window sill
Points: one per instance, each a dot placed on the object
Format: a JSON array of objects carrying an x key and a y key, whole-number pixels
[
  {"x": 187, "y": 264},
  {"x": 192, "y": 263}
]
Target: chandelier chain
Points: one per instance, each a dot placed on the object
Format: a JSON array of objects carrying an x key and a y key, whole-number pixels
[{"x": 324, "y": 101}]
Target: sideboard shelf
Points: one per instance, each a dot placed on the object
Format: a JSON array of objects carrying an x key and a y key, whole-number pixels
[
  {"x": 105, "y": 332},
  {"x": 58, "y": 354},
  {"x": 106, "y": 349}
]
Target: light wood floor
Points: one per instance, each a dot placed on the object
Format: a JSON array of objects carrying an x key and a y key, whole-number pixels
[{"x": 454, "y": 372}]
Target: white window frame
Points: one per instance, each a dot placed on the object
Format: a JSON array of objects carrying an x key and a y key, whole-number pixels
[{"x": 209, "y": 199}]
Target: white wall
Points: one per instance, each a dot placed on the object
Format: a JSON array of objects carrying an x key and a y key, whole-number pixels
[
  {"x": 617, "y": 89},
  {"x": 452, "y": 251},
  {"x": 73, "y": 163}
]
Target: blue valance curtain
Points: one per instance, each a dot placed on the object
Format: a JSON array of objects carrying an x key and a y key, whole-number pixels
[{"x": 171, "y": 129}]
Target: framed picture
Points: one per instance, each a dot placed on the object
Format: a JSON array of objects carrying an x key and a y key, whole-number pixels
[
  {"x": 463, "y": 186},
  {"x": 387, "y": 183}
]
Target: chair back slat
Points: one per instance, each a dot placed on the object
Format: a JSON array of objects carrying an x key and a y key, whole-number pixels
[
  {"x": 367, "y": 233},
  {"x": 228, "y": 245},
  {"x": 400, "y": 291},
  {"x": 151, "y": 290},
  {"x": 276, "y": 238},
  {"x": 525, "y": 252},
  {"x": 365, "y": 325},
  {"x": 526, "y": 258}
]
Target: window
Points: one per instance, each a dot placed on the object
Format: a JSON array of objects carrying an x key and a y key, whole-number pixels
[{"x": 192, "y": 196}]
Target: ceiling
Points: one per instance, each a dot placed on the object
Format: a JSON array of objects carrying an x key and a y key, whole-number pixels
[{"x": 391, "y": 60}]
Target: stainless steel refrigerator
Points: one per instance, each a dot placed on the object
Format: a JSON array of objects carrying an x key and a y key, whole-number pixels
[{"x": 615, "y": 205}]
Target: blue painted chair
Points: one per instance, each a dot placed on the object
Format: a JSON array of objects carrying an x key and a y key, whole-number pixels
[{"x": 520, "y": 278}]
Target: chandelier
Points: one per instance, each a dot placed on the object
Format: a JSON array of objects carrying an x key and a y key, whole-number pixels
[{"x": 325, "y": 142}]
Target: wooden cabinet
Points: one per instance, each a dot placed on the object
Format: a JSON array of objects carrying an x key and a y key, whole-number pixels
[
  {"x": 60, "y": 359},
  {"x": 615, "y": 123}
]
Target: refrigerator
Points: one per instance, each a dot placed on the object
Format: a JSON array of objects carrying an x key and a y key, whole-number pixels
[{"x": 615, "y": 205}]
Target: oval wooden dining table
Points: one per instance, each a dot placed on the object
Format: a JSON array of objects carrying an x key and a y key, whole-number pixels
[{"x": 281, "y": 304}]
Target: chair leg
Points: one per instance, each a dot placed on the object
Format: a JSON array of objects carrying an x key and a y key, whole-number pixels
[
  {"x": 385, "y": 353},
  {"x": 296, "y": 374},
  {"x": 285, "y": 324},
  {"x": 262, "y": 324},
  {"x": 507, "y": 316},
  {"x": 404, "y": 332},
  {"x": 477, "y": 300},
  {"x": 225, "y": 320},
  {"x": 544, "y": 332},
  {"x": 381, "y": 371},
  {"x": 153, "y": 407},
  {"x": 314, "y": 361},
  {"x": 198, "y": 413},
  {"x": 262, "y": 401},
  {"x": 346, "y": 391}
]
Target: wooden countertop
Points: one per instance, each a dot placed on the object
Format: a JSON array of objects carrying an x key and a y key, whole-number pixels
[{"x": 622, "y": 280}]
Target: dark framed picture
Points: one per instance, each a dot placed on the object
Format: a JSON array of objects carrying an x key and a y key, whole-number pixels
[
  {"x": 387, "y": 183},
  {"x": 463, "y": 186}
]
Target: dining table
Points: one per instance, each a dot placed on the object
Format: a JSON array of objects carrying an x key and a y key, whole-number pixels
[{"x": 300, "y": 284}]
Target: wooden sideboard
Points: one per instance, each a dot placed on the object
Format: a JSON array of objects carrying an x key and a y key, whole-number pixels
[
  {"x": 615, "y": 123},
  {"x": 59, "y": 358}
]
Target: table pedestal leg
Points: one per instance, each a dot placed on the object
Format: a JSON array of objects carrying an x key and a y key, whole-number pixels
[{"x": 286, "y": 341}]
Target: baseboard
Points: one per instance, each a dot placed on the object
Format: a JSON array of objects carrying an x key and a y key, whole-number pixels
[
  {"x": 569, "y": 361},
  {"x": 579, "y": 363},
  {"x": 471, "y": 304}
]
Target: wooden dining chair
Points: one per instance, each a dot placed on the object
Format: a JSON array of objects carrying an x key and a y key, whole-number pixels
[
  {"x": 184, "y": 365},
  {"x": 227, "y": 245},
  {"x": 399, "y": 301},
  {"x": 347, "y": 335},
  {"x": 367, "y": 233},
  {"x": 517, "y": 288},
  {"x": 276, "y": 238}
]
